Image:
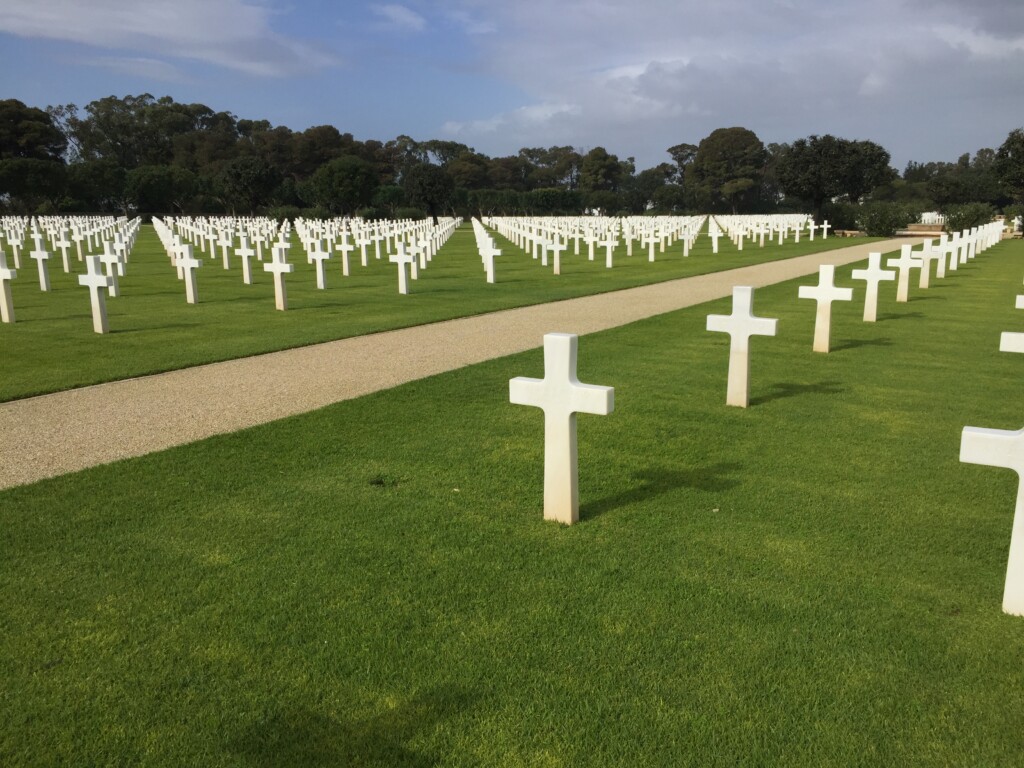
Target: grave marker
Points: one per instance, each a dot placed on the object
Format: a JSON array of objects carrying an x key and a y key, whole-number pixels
[
  {"x": 741, "y": 325},
  {"x": 401, "y": 257},
  {"x": 280, "y": 268},
  {"x": 561, "y": 396},
  {"x": 1003, "y": 448},
  {"x": 825, "y": 292},
  {"x": 320, "y": 256},
  {"x": 904, "y": 264},
  {"x": 6, "y": 299},
  {"x": 873, "y": 275},
  {"x": 246, "y": 253},
  {"x": 98, "y": 284},
  {"x": 188, "y": 265},
  {"x": 41, "y": 256}
]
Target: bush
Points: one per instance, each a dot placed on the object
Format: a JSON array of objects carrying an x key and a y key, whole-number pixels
[
  {"x": 1012, "y": 212},
  {"x": 883, "y": 219},
  {"x": 373, "y": 214},
  {"x": 410, "y": 213},
  {"x": 282, "y": 212},
  {"x": 839, "y": 215},
  {"x": 316, "y": 212},
  {"x": 961, "y": 217}
]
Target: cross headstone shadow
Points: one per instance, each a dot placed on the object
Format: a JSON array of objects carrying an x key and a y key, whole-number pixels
[
  {"x": 904, "y": 316},
  {"x": 300, "y": 736},
  {"x": 658, "y": 481},
  {"x": 787, "y": 389},
  {"x": 857, "y": 343}
]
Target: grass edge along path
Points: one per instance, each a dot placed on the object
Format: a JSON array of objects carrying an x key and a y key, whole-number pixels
[
  {"x": 814, "y": 581},
  {"x": 67, "y": 431}
]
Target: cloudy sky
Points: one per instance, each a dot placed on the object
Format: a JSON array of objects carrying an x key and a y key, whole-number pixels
[{"x": 927, "y": 79}]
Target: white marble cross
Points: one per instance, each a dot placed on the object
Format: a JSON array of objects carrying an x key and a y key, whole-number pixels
[
  {"x": 825, "y": 292},
  {"x": 940, "y": 252},
  {"x": 346, "y": 248},
  {"x": 112, "y": 262},
  {"x": 873, "y": 275},
  {"x": 556, "y": 246},
  {"x": 401, "y": 257},
  {"x": 188, "y": 265},
  {"x": 319, "y": 255},
  {"x": 824, "y": 229},
  {"x": 77, "y": 237},
  {"x": 488, "y": 252},
  {"x": 610, "y": 241},
  {"x": 1003, "y": 448},
  {"x": 225, "y": 241},
  {"x": 741, "y": 325},
  {"x": 63, "y": 244},
  {"x": 99, "y": 284},
  {"x": 953, "y": 247},
  {"x": 362, "y": 240},
  {"x": 41, "y": 256},
  {"x": 16, "y": 246},
  {"x": 561, "y": 396},
  {"x": 6, "y": 299},
  {"x": 906, "y": 262},
  {"x": 246, "y": 253},
  {"x": 927, "y": 256},
  {"x": 651, "y": 239},
  {"x": 280, "y": 268}
]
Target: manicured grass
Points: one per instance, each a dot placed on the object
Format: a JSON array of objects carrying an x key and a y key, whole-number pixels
[
  {"x": 813, "y": 581},
  {"x": 52, "y": 346}
]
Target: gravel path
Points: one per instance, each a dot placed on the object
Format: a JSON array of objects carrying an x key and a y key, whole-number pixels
[{"x": 50, "y": 435}]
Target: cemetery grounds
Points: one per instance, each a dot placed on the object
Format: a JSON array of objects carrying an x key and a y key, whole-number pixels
[{"x": 814, "y": 580}]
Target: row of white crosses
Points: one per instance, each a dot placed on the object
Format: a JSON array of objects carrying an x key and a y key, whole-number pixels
[
  {"x": 407, "y": 244},
  {"x": 776, "y": 227},
  {"x": 826, "y": 292},
  {"x": 486, "y": 247},
  {"x": 121, "y": 232},
  {"x": 547, "y": 238},
  {"x": 1003, "y": 448}
]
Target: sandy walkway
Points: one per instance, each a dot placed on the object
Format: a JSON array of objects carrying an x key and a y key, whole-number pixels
[{"x": 52, "y": 434}]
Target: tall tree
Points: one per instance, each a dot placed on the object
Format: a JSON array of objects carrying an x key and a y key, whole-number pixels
[
  {"x": 600, "y": 171},
  {"x": 1009, "y": 164},
  {"x": 867, "y": 167},
  {"x": 343, "y": 185},
  {"x": 31, "y": 156},
  {"x": 812, "y": 169},
  {"x": 729, "y": 165},
  {"x": 429, "y": 187}
]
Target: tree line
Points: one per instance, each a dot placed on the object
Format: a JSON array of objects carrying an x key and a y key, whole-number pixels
[{"x": 140, "y": 154}]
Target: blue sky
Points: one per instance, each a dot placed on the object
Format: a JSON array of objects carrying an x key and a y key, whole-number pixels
[{"x": 927, "y": 79}]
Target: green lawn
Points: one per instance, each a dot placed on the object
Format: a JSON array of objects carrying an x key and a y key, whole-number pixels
[
  {"x": 813, "y": 581},
  {"x": 52, "y": 346}
]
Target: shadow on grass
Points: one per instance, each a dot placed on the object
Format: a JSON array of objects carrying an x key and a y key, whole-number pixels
[
  {"x": 928, "y": 298},
  {"x": 780, "y": 391},
  {"x": 857, "y": 343},
  {"x": 301, "y": 737},
  {"x": 907, "y": 316},
  {"x": 655, "y": 482}
]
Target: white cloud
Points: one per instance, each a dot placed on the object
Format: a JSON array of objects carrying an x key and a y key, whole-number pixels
[
  {"x": 234, "y": 34},
  {"x": 979, "y": 44},
  {"x": 400, "y": 16},
  {"x": 138, "y": 66},
  {"x": 638, "y": 77}
]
